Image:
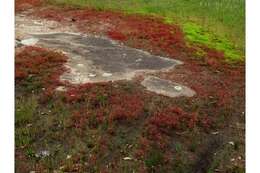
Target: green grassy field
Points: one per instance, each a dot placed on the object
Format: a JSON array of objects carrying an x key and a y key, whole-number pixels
[{"x": 219, "y": 24}]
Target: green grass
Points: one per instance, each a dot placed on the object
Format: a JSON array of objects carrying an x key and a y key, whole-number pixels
[
  {"x": 25, "y": 109},
  {"x": 198, "y": 35},
  {"x": 223, "y": 21},
  {"x": 154, "y": 158},
  {"x": 24, "y": 112}
]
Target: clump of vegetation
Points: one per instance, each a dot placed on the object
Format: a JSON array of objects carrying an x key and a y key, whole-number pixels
[
  {"x": 41, "y": 73},
  {"x": 174, "y": 118}
]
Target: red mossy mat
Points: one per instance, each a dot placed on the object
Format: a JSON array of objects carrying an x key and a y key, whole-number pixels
[
  {"x": 40, "y": 66},
  {"x": 21, "y": 5}
]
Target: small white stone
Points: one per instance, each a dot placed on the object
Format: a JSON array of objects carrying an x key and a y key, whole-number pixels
[
  {"x": 107, "y": 74},
  {"x": 29, "y": 125},
  {"x": 43, "y": 154},
  {"x": 178, "y": 88},
  {"x": 92, "y": 75},
  {"x": 38, "y": 23},
  {"x": 80, "y": 65},
  {"x": 215, "y": 133},
  {"x": 138, "y": 60},
  {"x": 231, "y": 143},
  {"x": 61, "y": 88},
  {"x": 127, "y": 158}
]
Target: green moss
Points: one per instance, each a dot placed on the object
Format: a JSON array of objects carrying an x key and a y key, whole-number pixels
[{"x": 196, "y": 34}]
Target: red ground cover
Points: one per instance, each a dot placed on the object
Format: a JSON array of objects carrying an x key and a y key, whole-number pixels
[
  {"x": 21, "y": 5},
  {"x": 220, "y": 87},
  {"x": 39, "y": 63}
]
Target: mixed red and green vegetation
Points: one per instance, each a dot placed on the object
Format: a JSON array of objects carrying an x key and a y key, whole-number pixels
[
  {"x": 119, "y": 126},
  {"x": 218, "y": 24}
]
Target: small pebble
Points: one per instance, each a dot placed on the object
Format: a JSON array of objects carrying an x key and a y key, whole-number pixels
[
  {"x": 138, "y": 60},
  {"x": 61, "y": 88},
  {"x": 127, "y": 158},
  {"x": 178, "y": 88},
  {"x": 92, "y": 75},
  {"x": 38, "y": 23},
  {"x": 106, "y": 74},
  {"x": 80, "y": 65},
  {"x": 231, "y": 143},
  {"x": 29, "y": 125},
  {"x": 215, "y": 133},
  {"x": 43, "y": 154}
]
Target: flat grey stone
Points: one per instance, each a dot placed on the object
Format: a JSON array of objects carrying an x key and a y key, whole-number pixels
[
  {"x": 166, "y": 87},
  {"x": 105, "y": 58}
]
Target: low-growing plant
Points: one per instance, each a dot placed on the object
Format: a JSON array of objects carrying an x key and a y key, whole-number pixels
[{"x": 25, "y": 110}]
